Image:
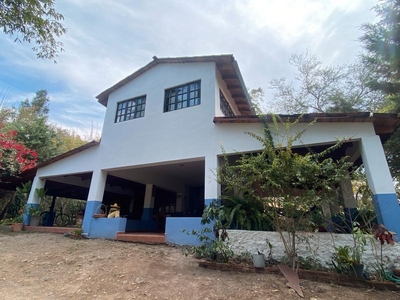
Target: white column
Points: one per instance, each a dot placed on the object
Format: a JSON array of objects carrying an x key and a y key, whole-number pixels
[
  {"x": 212, "y": 189},
  {"x": 33, "y": 199},
  {"x": 97, "y": 185},
  {"x": 148, "y": 207},
  {"x": 380, "y": 182},
  {"x": 95, "y": 197},
  {"x": 38, "y": 183}
]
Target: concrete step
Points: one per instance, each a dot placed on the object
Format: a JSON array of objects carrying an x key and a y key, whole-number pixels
[{"x": 140, "y": 237}]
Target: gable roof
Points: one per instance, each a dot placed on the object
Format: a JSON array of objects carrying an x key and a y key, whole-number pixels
[{"x": 226, "y": 64}]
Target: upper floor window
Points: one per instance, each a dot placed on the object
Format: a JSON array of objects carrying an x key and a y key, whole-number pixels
[
  {"x": 182, "y": 96},
  {"x": 224, "y": 105},
  {"x": 130, "y": 109}
]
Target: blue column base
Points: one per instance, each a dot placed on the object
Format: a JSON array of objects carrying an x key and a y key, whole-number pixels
[
  {"x": 90, "y": 209},
  {"x": 147, "y": 214},
  {"x": 387, "y": 211},
  {"x": 208, "y": 201},
  {"x": 27, "y": 216}
]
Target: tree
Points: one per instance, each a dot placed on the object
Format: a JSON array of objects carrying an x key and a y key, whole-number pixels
[
  {"x": 289, "y": 184},
  {"x": 382, "y": 44},
  {"x": 321, "y": 88},
  {"x": 382, "y": 57},
  {"x": 33, "y": 21},
  {"x": 33, "y": 130},
  {"x": 14, "y": 157}
]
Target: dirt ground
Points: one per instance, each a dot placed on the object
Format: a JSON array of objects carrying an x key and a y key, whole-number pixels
[{"x": 51, "y": 266}]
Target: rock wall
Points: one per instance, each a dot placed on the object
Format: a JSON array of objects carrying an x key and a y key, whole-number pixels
[{"x": 317, "y": 246}]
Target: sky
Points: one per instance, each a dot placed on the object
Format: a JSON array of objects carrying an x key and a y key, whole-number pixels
[{"x": 108, "y": 40}]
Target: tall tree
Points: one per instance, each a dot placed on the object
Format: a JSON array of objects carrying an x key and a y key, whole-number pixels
[
  {"x": 382, "y": 57},
  {"x": 33, "y": 130},
  {"x": 33, "y": 21},
  {"x": 322, "y": 88}
]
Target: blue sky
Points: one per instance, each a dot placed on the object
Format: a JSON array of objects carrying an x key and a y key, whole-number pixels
[{"x": 108, "y": 40}]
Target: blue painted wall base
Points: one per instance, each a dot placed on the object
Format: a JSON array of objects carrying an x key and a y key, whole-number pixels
[
  {"x": 147, "y": 214},
  {"x": 174, "y": 234},
  {"x": 106, "y": 228},
  {"x": 141, "y": 225},
  {"x": 387, "y": 211}
]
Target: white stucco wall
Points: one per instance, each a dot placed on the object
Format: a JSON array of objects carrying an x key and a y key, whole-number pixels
[
  {"x": 180, "y": 134},
  {"x": 320, "y": 246},
  {"x": 183, "y": 134}
]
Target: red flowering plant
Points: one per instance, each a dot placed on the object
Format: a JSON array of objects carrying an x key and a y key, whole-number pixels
[{"x": 14, "y": 156}]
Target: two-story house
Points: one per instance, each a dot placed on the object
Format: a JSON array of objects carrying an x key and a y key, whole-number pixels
[{"x": 161, "y": 145}]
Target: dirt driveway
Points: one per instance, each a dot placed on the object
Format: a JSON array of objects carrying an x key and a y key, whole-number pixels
[{"x": 51, "y": 266}]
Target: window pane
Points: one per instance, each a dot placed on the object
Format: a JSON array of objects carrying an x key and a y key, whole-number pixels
[
  {"x": 130, "y": 109},
  {"x": 182, "y": 96}
]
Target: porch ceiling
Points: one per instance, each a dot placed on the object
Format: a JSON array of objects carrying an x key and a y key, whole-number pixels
[{"x": 188, "y": 173}]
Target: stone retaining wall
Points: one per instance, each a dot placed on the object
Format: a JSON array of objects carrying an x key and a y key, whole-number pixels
[{"x": 318, "y": 246}]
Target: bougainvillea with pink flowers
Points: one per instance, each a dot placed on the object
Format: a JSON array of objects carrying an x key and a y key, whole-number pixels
[{"x": 14, "y": 156}]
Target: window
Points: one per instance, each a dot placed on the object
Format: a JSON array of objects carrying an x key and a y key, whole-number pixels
[
  {"x": 130, "y": 109},
  {"x": 224, "y": 105},
  {"x": 182, "y": 96}
]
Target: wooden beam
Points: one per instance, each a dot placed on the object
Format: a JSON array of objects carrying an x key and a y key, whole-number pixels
[
  {"x": 233, "y": 86},
  {"x": 225, "y": 66},
  {"x": 230, "y": 77}
]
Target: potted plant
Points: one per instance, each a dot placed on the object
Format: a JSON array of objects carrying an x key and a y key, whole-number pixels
[
  {"x": 348, "y": 259},
  {"x": 35, "y": 216},
  {"x": 16, "y": 223}
]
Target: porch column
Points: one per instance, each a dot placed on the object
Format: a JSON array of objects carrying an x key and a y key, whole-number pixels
[
  {"x": 350, "y": 203},
  {"x": 212, "y": 189},
  {"x": 33, "y": 199},
  {"x": 95, "y": 197},
  {"x": 148, "y": 207},
  {"x": 380, "y": 182}
]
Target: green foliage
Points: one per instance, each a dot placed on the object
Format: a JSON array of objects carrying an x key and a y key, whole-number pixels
[
  {"x": 289, "y": 184},
  {"x": 345, "y": 257},
  {"x": 35, "y": 21},
  {"x": 32, "y": 128},
  {"x": 392, "y": 149},
  {"x": 216, "y": 249},
  {"x": 381, "y": 41},
  {"x": 30, "y": 121},
  {"x": 245, "y": 213},
  {"x": 382, "y": 44}
]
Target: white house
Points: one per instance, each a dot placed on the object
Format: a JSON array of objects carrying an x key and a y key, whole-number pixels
[{"x": 161, "y": 144}]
